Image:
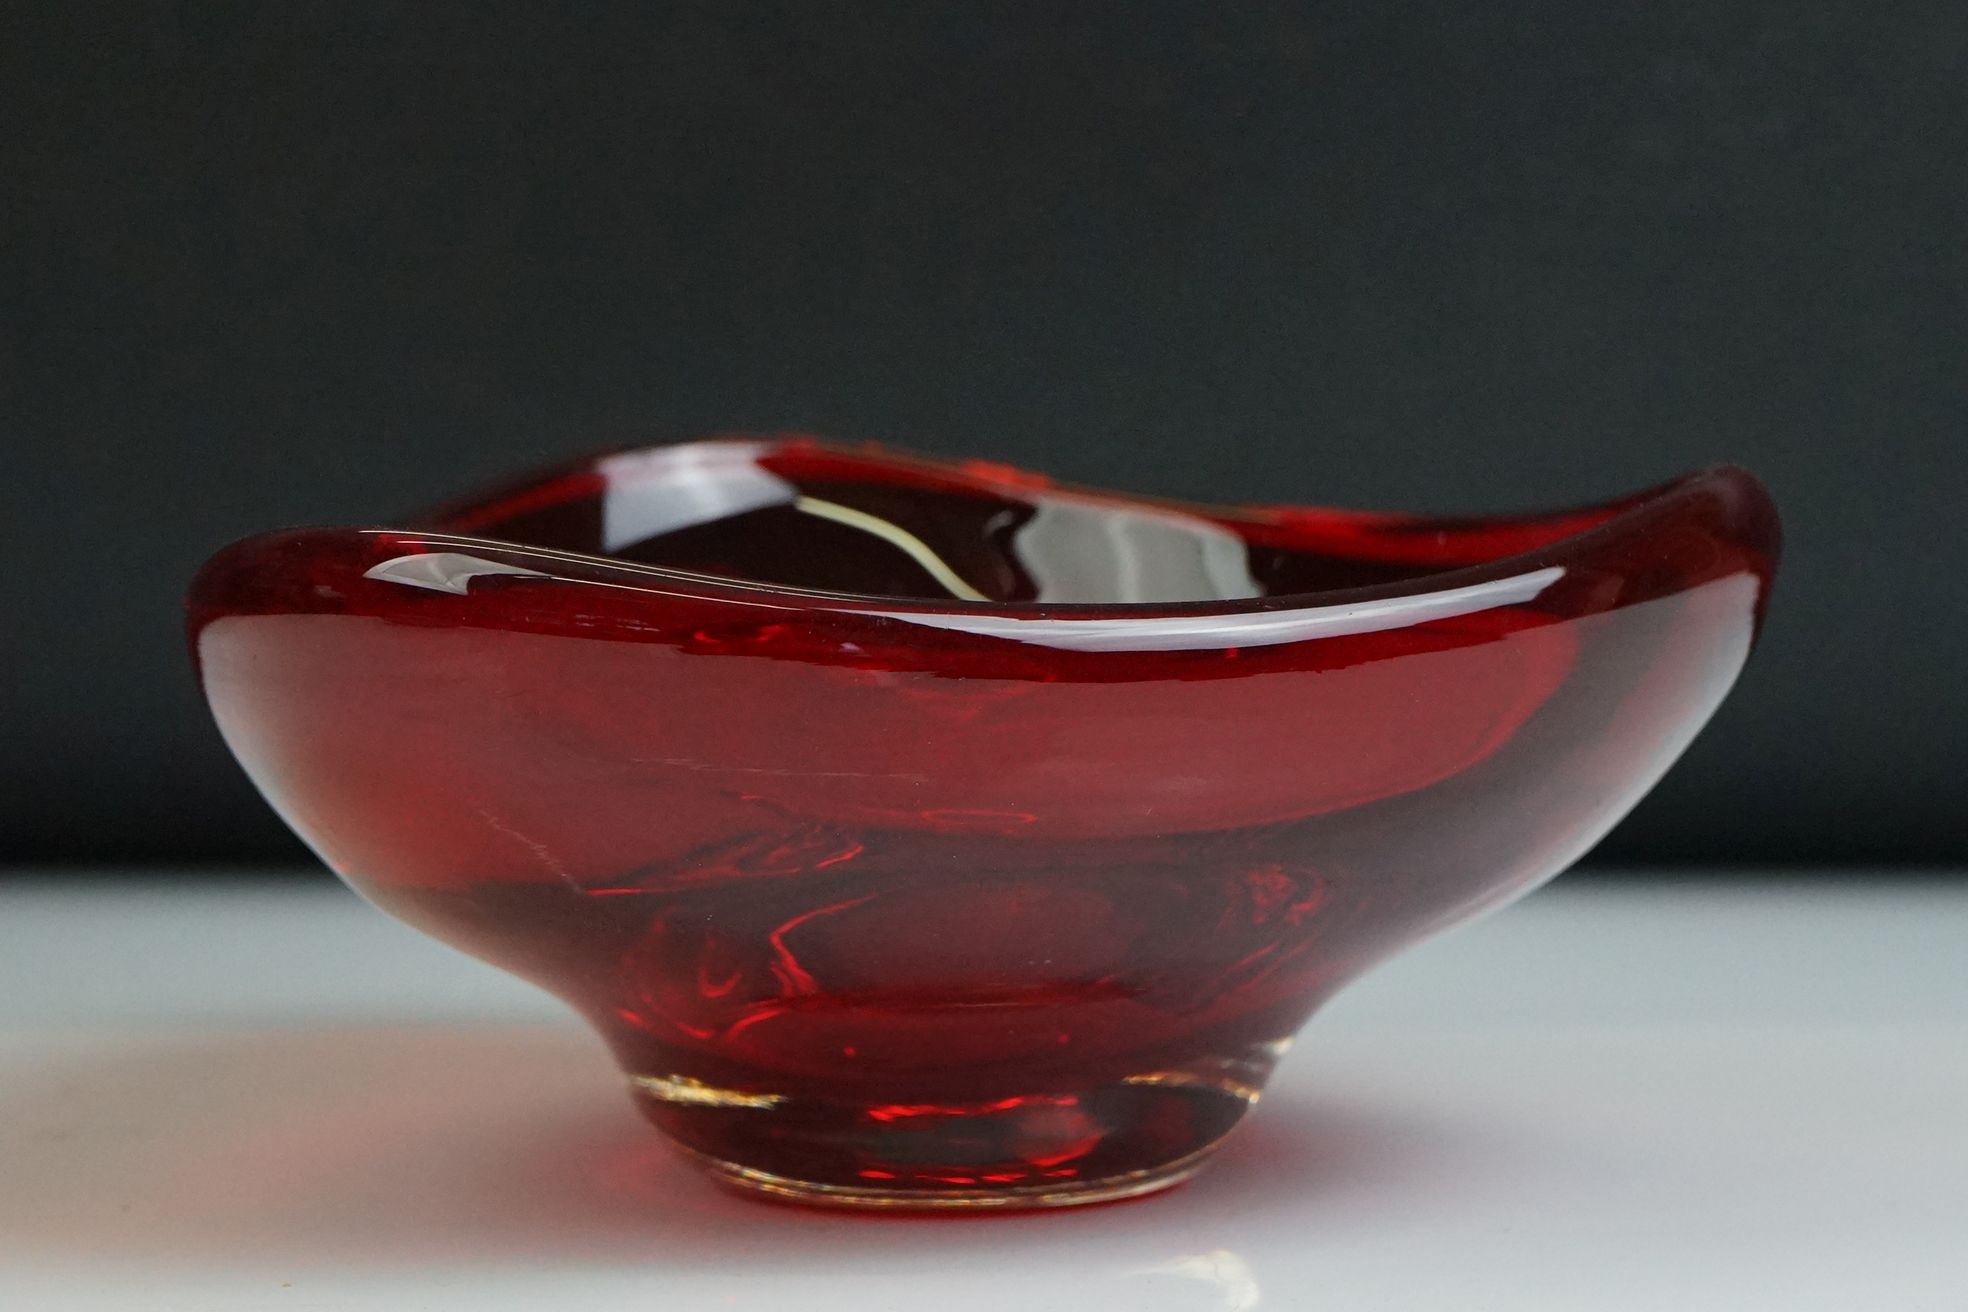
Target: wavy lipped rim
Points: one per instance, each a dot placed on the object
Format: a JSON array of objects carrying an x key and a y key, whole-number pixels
[{"x": 1502, "y": 580}]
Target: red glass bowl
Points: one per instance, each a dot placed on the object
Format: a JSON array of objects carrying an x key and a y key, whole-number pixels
[{"x": 927, "y": 834}]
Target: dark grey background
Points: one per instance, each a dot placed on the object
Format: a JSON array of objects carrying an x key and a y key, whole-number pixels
[{"x": 306, "y": 263}]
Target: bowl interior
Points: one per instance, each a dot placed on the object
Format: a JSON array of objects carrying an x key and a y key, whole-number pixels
[{"x": 797, "y": 513}]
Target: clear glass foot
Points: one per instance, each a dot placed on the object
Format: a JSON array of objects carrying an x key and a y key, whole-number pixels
[
  {"x": 781, "y": 1188},
  {"x": 1048, "y": 1148}
]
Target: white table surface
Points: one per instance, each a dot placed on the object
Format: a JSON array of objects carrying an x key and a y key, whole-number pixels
[{"x": 1641, "y": 1096}]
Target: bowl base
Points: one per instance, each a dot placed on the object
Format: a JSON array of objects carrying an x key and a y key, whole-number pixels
[
  {"x": 810, "y": 1193},
  {"x": 1012, "y": 1148}
]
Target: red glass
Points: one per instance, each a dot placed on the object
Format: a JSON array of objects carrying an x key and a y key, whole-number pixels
[{"x": 925, "y": 833}]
